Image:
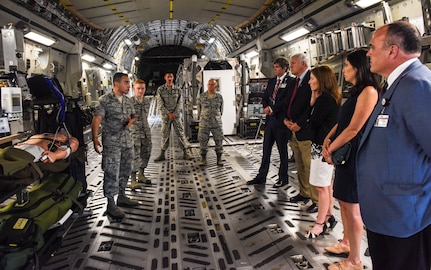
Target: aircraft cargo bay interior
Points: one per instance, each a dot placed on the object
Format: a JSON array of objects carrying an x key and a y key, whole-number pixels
[
  {"x": 212, "y": 135},
  {"x": 200, "y": 218}
]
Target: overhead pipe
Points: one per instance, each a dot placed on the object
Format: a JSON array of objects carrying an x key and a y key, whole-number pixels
[
  {"x": 244, "y": 80},
  {"x": 194, "y": 81}
]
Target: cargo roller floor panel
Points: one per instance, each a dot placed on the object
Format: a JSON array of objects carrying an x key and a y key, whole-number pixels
[{"x": 200, "y": 218}]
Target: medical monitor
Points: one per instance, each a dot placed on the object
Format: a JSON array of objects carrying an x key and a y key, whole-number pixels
[{"x": 11, "y": 102}]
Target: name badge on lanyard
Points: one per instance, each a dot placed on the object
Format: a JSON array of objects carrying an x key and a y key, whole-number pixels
[{"x": 382, "y": 120}]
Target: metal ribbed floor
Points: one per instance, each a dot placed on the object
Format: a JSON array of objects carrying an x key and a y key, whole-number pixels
[{"x": 198, "y": 218}]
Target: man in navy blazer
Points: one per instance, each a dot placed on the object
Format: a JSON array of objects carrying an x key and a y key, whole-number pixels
[
  {"x": 297, "y": 121},
  {"x": 275, "y": 103},
  {"x": 394, "y": 154}
]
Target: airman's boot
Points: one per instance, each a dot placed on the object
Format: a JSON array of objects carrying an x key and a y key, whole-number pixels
[
  {"x": 113, "y": 210},
  {"x": 133, "y": 183},
  {"x": 142, "y": 178},
  {"x": 123, "y": 200},
  {"x": 187, "y": 155},
  {"x": 161, "y": 157},
  {"x": 203, "y": 160},
  {"x": 219, "y": 160}
]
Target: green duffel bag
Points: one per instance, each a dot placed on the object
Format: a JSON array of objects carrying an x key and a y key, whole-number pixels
[
  {"x": 22, "y": 227},
  {"x": 19, "y": 241}
]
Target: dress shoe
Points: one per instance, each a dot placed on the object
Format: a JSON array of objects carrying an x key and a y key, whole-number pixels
[
  {"x": 280, "y": 183},
  {"x": 338, "y": 248},
  {"x": 298, "y": 198},
  {"x": 256, "y": 181},
  {"x": 345, "y": 265},
  {"x": 312, "y": 208}
]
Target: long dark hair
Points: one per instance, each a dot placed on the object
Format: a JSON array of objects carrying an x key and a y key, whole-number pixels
[
  {"x": 364, "y": 77},
  {"x": 327, "y": 82}
]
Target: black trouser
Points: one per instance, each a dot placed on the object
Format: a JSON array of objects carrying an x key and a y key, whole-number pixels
[
  {"x": 273, "y": 134},
  {"x": 393, "y": 253}
]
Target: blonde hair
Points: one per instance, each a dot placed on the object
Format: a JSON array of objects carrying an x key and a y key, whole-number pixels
[{"x": 139, "y": 81}]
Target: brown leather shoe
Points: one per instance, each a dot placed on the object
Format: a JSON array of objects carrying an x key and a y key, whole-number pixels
[
  {"x": 338, "y": 248},
  {"x": 345, "y": 265}
]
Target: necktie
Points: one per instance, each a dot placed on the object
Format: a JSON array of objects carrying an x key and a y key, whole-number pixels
[
  {"x": 384, "y": 87},
  {"x": 274, "y": 94},
  {"x": 292, "y": 97}
]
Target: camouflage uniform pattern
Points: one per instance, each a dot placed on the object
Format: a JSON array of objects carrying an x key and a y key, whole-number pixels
[
  {"x": 141, "y": 133},
  {"x": 169, "y": 100},
  {"x": 118, "y": 152},
  {"x": 210, "y": 110}
]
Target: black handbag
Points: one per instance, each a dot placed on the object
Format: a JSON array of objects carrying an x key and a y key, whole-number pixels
[{"x": 342, "y": 154}]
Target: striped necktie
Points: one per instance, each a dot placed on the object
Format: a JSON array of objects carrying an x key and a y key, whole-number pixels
[{"x": 274, "y": 93}]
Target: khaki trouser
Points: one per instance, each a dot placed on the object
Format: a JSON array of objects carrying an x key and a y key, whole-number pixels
[{"x": 302, "y": 154}]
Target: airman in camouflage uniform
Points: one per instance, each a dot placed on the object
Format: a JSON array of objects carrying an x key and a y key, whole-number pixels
[
  {"x": 169, "y": 102},
  {"x": 141, "y": 134},
  {"x": 210, "y": 110},
  {"x": 115, "y": 113}
]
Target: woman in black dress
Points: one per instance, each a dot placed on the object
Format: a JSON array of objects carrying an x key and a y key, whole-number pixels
[
  {"x": 352, "y": 118},
  {"x": 324, "y": 103}
]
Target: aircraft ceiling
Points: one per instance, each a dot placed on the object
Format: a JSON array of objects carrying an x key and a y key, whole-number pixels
[
  {"x": 214, "y": 28},
  {"x": 211, "y": 27}
]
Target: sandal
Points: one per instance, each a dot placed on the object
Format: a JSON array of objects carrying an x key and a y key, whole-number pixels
[
  {"x": 311, "y": 235},
  {"x": 345, "y": 265}
]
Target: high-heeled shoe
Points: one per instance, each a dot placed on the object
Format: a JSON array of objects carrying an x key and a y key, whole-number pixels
[
  {"x": 331, "y": 221},
  {"x": 311, "y": 235}
]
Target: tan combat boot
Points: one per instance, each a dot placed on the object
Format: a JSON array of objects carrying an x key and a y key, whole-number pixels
[
  {"x": 187, "y": 155},
  {"x": 203, "y": 161},
  {"x": 219, "y": 160},
  {"x": 142, "y": 178},
  {"x": 123, "y": 200},
  {"x": 133, "y": 183},
  {"x": 113, "y": 210}
]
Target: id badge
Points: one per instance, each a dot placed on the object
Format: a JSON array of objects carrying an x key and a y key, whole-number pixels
[{"x": 382, "y": 120}]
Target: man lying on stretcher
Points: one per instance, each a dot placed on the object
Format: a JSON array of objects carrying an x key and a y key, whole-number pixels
[{"x": 48, "y": 147}]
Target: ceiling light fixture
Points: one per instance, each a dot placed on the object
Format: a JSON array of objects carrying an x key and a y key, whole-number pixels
[
  {"x": 251, "y": 54},
  {"x": 299, "y": 32},
  {"x": 88, "y": 58},
  {"x": 39, "y": 38},
  {"x": 107, "y": 65},
  {"x": 366, "y": 3},
  {"x": 211, "y": 40},
  {"x": 128, "y": 42}
]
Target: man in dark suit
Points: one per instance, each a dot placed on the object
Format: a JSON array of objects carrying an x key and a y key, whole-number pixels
[
  {"x": 394, "y": 154},
  {"x": 275, "y": 103},
  {"x": 296, "y": 121}
]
